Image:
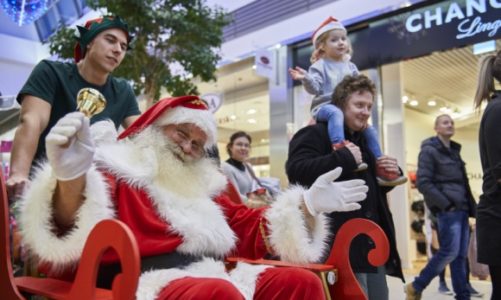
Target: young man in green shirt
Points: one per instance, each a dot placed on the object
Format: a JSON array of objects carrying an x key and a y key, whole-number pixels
[{"x": 51, "y": 90}]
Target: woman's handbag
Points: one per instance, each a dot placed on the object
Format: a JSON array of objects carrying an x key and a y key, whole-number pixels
[{"x": 259, "y": 197}]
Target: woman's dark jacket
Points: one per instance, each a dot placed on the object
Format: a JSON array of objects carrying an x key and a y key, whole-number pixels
[
  {"x": 311, "y": 155},
  {"x": 441, "y": 178}
]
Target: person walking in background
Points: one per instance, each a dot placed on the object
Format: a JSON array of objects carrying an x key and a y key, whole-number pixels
[
  {"x": 433, "y": 249},
  {"x": 310, "y": 156},
  {"x": 51, "y": 91},
  {"x": 489, "y": 208},
  {"x": 441, "y": 178},
  {"x": 330, "y": 64}
]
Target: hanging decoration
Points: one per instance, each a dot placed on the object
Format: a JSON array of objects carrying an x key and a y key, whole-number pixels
[{"x": 24, "y": 12}]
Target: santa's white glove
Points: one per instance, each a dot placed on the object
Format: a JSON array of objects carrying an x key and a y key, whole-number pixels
[
  {"x": 69, "y": 146},
  {"x": 103, "y": 132},
  {"x": 325, "y": 195}
]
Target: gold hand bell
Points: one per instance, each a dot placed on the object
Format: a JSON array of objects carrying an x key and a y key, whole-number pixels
[{"x": 90, "y": 102}]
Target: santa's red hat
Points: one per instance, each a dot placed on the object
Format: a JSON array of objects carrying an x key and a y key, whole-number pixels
[
  {"x": 329, "y": 24},
  {"x": 177, "y": 110}
]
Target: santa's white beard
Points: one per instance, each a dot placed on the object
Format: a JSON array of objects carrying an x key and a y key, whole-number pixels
[{"x": 176, "y": 171}]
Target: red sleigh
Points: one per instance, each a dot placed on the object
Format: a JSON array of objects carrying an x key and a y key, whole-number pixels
[{"x": 336, "y": 274}]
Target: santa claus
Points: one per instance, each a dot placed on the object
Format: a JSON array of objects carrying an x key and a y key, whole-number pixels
[{"x": 158, "y": 180}]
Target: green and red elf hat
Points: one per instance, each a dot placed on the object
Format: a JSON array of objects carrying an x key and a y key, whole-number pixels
[
  {"x": 177, "y": 110},
  {"x": 92, "y": 28}
]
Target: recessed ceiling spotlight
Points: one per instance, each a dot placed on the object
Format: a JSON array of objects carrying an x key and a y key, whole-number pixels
[
  {"x": 252, "y": 121},
  {"x": 251, "y": 111},
  {"x": 405, "y": 99},
  {"x": 233, "y": 117},
  {"x": 432, "y": 103},
  {"x": 414, "y": 102}
]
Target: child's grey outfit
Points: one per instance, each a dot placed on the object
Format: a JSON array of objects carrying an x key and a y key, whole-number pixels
[{"x": 323, "y": 76}]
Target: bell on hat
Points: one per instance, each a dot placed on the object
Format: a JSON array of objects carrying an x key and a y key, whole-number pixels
[{"x": 329, "y": 24}]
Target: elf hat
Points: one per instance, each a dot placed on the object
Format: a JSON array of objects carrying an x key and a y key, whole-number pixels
[
  {"x": 92, "y": 28},
  {"x": 177, "y": 110},
  {"x": 329, "y": 24}
]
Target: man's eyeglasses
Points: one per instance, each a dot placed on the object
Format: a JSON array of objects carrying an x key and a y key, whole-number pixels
[{"x": 183, "y": 138}]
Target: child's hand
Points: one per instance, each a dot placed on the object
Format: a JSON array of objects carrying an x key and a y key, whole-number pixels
[
  {"x": 297, "y": 73},
  {"x": 355, "y": 151}
]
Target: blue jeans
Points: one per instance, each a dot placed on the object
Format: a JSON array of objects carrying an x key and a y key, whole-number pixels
[
  {"x": 453, "y": 234},
  {"x": 335, "y": 125}
]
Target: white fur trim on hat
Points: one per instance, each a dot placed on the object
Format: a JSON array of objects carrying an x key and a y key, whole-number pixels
[
  {"x": 325, "y": 28},
  {"x": 203, "y": 119}
]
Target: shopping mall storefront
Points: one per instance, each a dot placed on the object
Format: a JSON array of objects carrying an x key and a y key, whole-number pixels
[{"x": 423, "y": 59}]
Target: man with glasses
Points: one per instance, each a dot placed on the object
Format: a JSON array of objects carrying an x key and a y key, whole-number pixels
[{"x": 158, "y": 180}]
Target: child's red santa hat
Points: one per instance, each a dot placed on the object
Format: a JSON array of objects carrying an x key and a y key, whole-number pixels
[
  {"x": 177, "y": 110},
  {"x": 329, "y": 24}
]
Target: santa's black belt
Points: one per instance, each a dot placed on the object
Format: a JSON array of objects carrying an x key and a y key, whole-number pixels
[{"x": 149, "y": 263}]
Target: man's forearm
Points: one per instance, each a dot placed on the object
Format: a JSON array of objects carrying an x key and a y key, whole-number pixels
[
  {"x": 67, "y": 199},
  {"x": 23, "y": 150}
]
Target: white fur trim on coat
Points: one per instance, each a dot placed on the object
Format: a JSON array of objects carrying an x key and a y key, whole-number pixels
[
  {"x": 289, "y": 236},
  {"x": 203, "y": 119},
  {"x": 36, "y": 220},
  {"x": 186, "y": 203},
  {"x": 243, "y": 277}
]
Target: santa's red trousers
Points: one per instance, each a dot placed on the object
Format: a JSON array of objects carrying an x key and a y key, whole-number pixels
[{"x": 272, "y": 284}]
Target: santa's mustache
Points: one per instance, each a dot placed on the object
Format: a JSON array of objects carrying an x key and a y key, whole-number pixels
[{"x": 164, "y": 146}]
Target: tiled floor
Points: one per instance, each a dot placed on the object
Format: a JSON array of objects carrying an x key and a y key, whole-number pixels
[
  {"x": 396, "y": 286},
  {"x": 431, "y": 292}
]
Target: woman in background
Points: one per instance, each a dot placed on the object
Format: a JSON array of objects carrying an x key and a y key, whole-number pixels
[
  {"x": 235, "y": 167},
  {"x": 489, "y": 207}
]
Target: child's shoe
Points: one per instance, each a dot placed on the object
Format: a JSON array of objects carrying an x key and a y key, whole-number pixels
[
  {"x": 361, "y": 167},
  {"x": 385, "y": 178}
]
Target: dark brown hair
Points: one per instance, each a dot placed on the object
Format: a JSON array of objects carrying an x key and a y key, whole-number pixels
[
  {"x": 490, "y": 69},
  {"x": 235, "y": 136},
  {"x": 350, "y": 85}
]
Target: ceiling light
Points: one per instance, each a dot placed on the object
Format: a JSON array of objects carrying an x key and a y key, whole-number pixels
[
  {"x": 253, "y": 67},
  {"x": 432, "y": 103},
  {"x": 233, "y": 117},
  {"x": 414, "y": 102},
  {"x": 252, "y": 121},
  {"x": 251, "y": 111},
  {"x": 445, "y": 109},
  {"x": 405, "y": 99}
]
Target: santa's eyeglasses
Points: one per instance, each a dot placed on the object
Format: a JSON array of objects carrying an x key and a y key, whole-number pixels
[{"x": 182, "y": 137}]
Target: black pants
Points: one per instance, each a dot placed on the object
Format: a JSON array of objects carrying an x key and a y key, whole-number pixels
[
  {"x": 495, "y": 272},
  {"x": 165, "y": 261}
]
